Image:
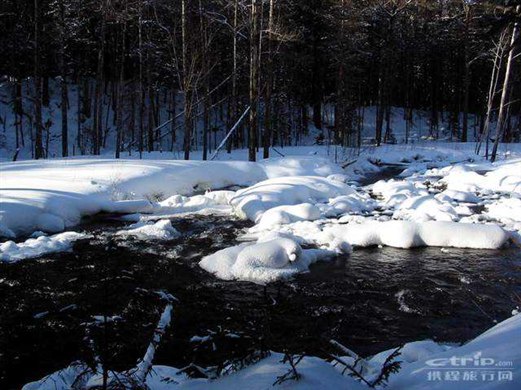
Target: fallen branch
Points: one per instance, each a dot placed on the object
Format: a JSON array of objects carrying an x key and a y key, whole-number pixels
[{"x": 145, "y": 365}]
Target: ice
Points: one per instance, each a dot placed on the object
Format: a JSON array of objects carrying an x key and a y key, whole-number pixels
[
  {"x": 36, "y": 247},
  {"x": 161, "y": 230}
]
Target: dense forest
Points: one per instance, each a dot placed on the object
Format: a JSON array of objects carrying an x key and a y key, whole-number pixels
[{"x": 151, "y": 73}]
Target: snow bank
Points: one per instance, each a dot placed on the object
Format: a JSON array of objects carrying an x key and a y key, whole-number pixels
[
  {"x": 299, "y": 166},
  {"x": 266, "y": 261},
  {"x": 502, "y": 177},
  {"x": 252, "y": 202},
  {"x": 354, "y": 203},
  {"x": 212, "y": 201},
  {"x": 407, "y": 234},
  {"x": 502, "y": 343},
  {"x": 161, "y": 230},
  {"x": 499, "y": 344},
  {"x": 505, "y": 210},
  {"x": 55, "y": 194},
  {"x": 36, "y": 247}
]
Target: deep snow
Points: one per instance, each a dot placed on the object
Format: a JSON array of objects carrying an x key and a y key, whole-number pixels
[{"x": 305, "y": 208}]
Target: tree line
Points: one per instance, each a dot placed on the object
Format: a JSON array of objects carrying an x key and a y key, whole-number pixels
[{"x": 150, "y": 74}]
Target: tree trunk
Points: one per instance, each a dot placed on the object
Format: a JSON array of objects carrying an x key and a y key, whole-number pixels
[
  {"x": 64, "y": 111},
  {"x": 500, "y": 126},
  {"x": 254, "y": 78},
  {"x": 38, "y": 144},
  {"x": 269, "y": 86},
  {"x": 188, "y": 123}
]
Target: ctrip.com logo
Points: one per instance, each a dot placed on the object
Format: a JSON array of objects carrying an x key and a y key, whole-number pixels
[{"x": 475, "y": 368}]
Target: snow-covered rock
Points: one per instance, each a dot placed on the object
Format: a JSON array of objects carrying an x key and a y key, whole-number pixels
[
  {"x": 253, "y": 201},
  {"x": 395, "y": 192},
  {"x": 407, "y": 234},
  {"x": 459, "y": 196},
  {"x": 425, "y": 208},
  {"x": 36, "y": 247},
  {"x": 266, "y": 261},
  {"x": 281, "y": 215},
  {"x": 161, "y": 230}
]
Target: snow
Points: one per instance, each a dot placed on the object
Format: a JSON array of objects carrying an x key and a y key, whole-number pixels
[
  {"x": 459, "y": 196},
  {"x": 502, "y": 343},
  {"x": 35, "y": 247},
  {"x": 281, "y": 215},
  {"x": 266, "y": 261},
  {"x": 408, "y": 234},
  {"x": 395, "y": 192},
  {"x": 161, "y": 230},
  {"x": 253, "y": 201},
  {"x": 53, "y": 195},
  {"x": 425, "y": 208}
]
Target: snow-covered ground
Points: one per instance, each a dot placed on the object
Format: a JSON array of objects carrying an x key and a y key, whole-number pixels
[
  {"x": 490, "y": 361},
  {"x": 445, "y": 197},
  {"x": 305, "y": 207}
]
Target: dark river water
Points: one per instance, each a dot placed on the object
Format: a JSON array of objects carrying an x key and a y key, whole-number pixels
[{"x": 369, "y": 301}]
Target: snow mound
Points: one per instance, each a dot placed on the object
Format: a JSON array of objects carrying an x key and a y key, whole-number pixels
[
  {"x": 505, "y": 210},
  {"x": 348, "y": 204},
  {"x": 268, "y": 260},
  {"x": 395, "y": 192},
  {"x": 211, "y": 201},
  {"x": 502, "y": 177},
  {"x": 252, "y": 202},
  {"x": 425, "y": 208},
  {"x": 161, "y": 230},
  {"x": 36, "y": 247},
  {"x": 408, "y": 234},
  {"x": 458, "y": 196},
  {"x": 287, "y": 214}
]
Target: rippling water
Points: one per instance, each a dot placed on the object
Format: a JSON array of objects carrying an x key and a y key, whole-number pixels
[{"x": 372, "y": 300}]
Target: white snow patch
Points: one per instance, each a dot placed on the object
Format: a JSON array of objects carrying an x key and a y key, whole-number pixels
[
  {"x": 161, "y": 230},
  {"x": 266, "y": 261},
  {"x": 36, "y": 247},
  {"x": 407, "y": 234},
  {"x": 252, "y": 202},
  {"x": 281, "y": 215},
  {"x": 425, "y": 208}
]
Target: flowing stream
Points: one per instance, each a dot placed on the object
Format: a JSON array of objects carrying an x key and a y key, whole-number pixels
[{"x": 371, "y": 300}]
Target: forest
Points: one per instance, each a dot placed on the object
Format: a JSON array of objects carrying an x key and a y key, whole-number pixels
[
  {"x": 153, "y": 75},
  {"x": 260, "y": 194}
]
